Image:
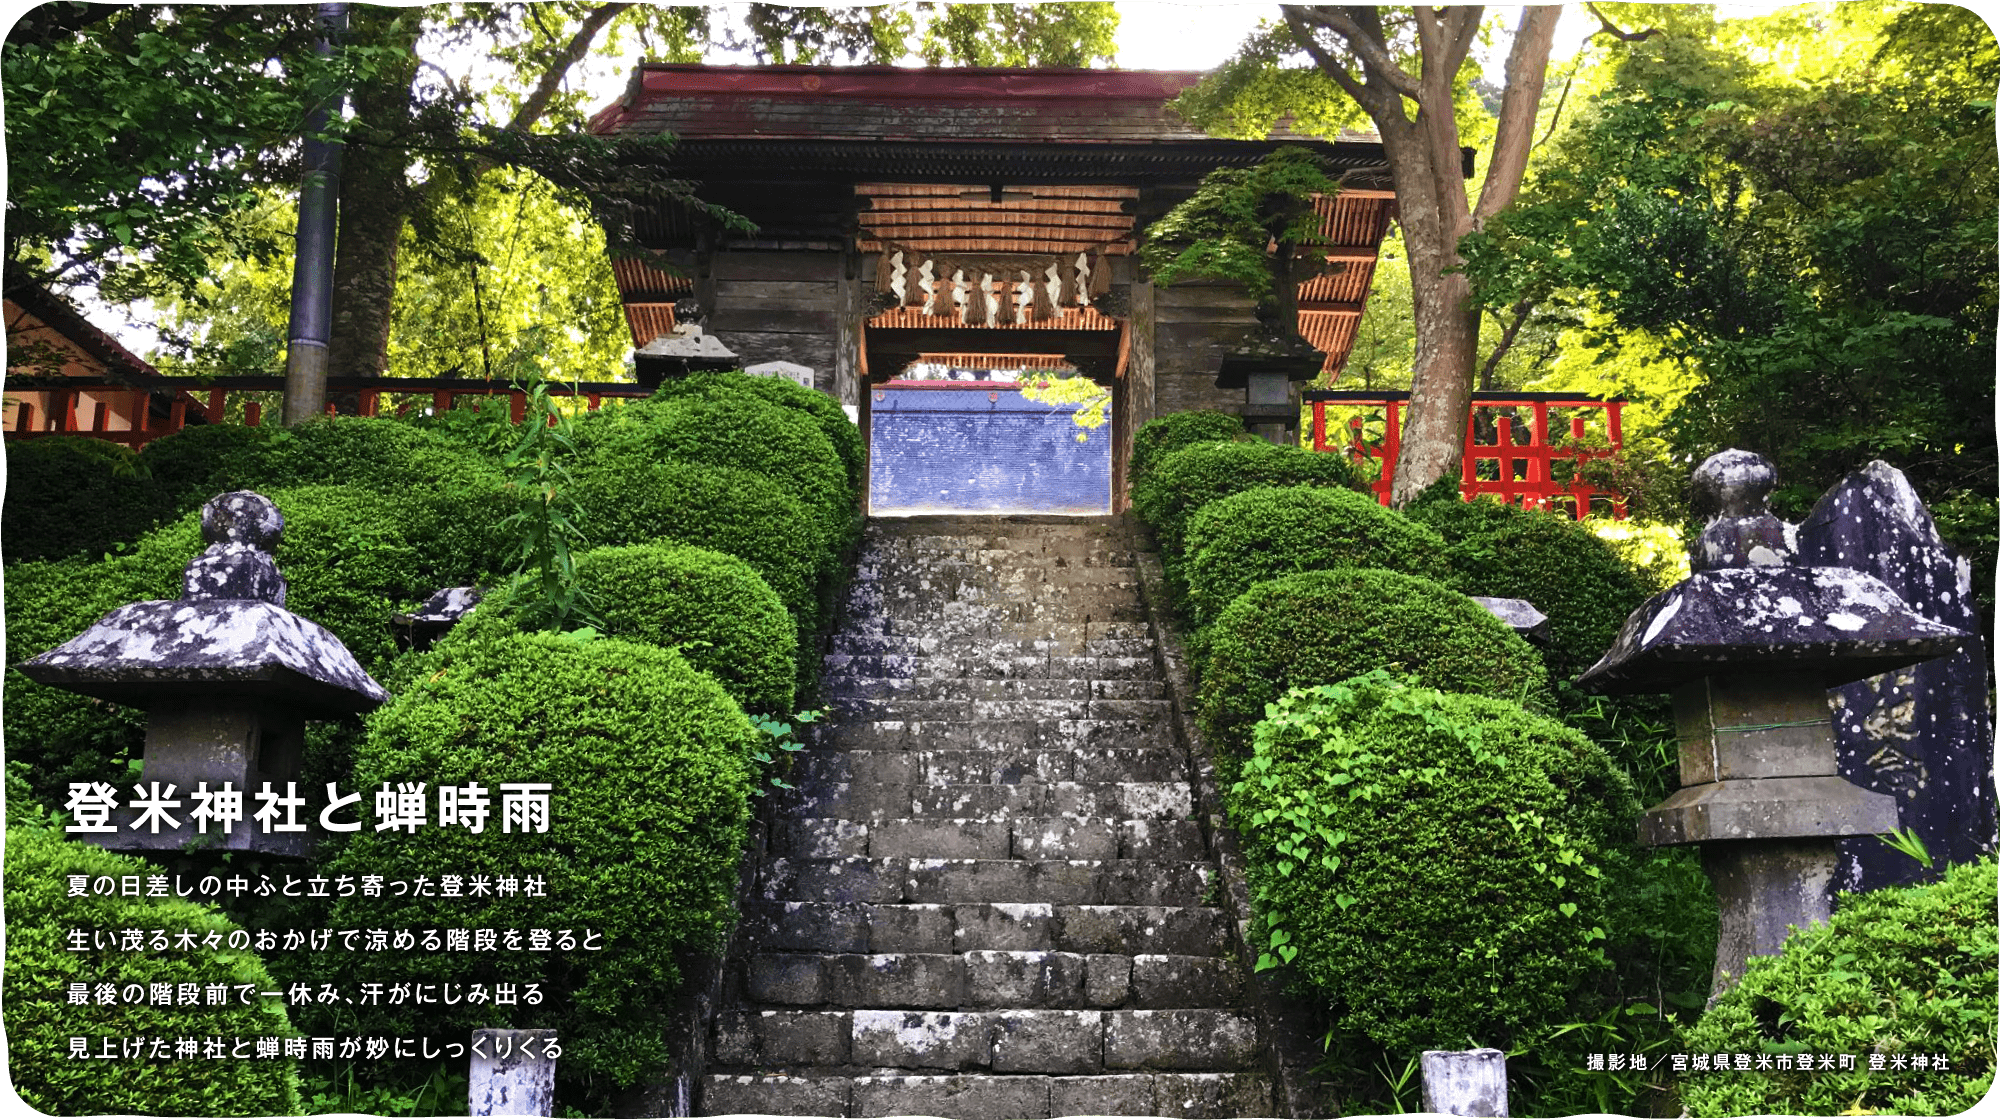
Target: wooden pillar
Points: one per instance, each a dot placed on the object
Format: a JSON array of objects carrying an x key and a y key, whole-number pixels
[
  {"x": 1140, "y": 367},
  {"x": 851, "y": 302},
  {"x": 218, "y": 406}
]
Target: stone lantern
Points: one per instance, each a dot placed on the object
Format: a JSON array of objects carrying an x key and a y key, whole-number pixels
[
  {"x": 227, "y": 677},
  {"x": 1748, "y": 646},
  {"x": 1265, "y": 365}
]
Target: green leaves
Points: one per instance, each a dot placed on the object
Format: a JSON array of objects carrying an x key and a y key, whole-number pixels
[{"x": 1224, "y": 230}]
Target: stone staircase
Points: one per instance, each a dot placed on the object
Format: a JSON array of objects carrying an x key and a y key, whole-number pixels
[{"x": 988, "y": 897}]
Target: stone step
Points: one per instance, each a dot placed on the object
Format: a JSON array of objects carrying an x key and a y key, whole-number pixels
[
  {"x": 1061, "y": 639},
  {"x": 1205, "y": 1096},
  {"x": 868, "y": 710},
  {"x": 998, "y": 766},
  {"x": 829, "y": 927},
  {"x": 849, "y": 686},
  {"x": 988, "y": 622},
  {"x": 1064, "y": 1032},
  {"x": 999, "y": 978},
  {"x": 992, "y": 735},
  {"x": 1030, "y": 838},
  {"x": 1005, "y": 663},
  {"x": 1057, "y": 601},
  {"x": 1117, "y": 882},
  {"x": 943, "y": 573},
  {"x": 1125, "y": 801}
]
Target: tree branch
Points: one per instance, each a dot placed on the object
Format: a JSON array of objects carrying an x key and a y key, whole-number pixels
[
  {"x": 1460, "y": 27},
  {"x": 537, "y": 102},
  {"x": 1370, "y": 49},
  {"x": 1508, "y": 332},
  {"x": 1370, "y": 97},
  {"x": 1606, "y": 27},
  {"x": 1527, "y": 73}
]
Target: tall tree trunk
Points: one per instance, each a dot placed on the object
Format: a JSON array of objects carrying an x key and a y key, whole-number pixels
[
  {"x": 375, "y": 199},
  {"x": 1431, "y": 202},
  {"x": 1425, "y": 163}
]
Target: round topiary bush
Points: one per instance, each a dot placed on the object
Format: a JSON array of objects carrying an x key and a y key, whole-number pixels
[
  {"x": 1163, "y": 435},
  {"x": 41, "y": 1020},
  {"x": 1433, "y": 866},
  {"x": 741, "y": 433},
  {"x": 1901, "y": 975},
  {"x": 1273, "y": 531},
  {"x": 742, "y": 513},
  {"x": 712, "y": 606},
  {"x": 73, "y": 496},
  {"x": 1186, "y": 480},
  {"x": 1315, "y": 627},
  {"x": 843, "y": 433},
  {"x": 647, "y": 761},
  {"x": 1579, "y": 581}
]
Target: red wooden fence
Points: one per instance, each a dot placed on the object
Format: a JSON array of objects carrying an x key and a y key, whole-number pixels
[
  {"x": 1522, "y": 471},
  {"x": 208, "y": 401}
]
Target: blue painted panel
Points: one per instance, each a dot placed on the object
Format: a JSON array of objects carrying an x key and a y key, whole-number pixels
[{"x": 953, "y": 450}]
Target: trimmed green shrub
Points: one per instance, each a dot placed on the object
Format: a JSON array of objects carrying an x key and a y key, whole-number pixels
[
  {"x": 1316, "y": 627},
  {"x": 1579, "y": 581},
  {"x": 1899, "y": 973},
  {"x": 649, "y": 763},
  {"x": 1186, "y": 480},
  {"x": 449, "y": 501},
  {"x": 41, "y": 1021},
  {"x": 1163, "y": 435},
  {"x": 780, "y": 443},
  {"x": 711, "y": 606},
  {"x": 1433, "y": 866},
  {"x": 202, "y": 460},
  {"x": 843, "y": 433},
  {"x": 742, "y": 513},
  {"x": 347, "y": 566},
  {"x": 72, "y": 496},
  {"x": 1273, "y": 531}
]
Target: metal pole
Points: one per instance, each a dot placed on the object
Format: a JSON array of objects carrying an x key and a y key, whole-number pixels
[{"x": 312, "y": 268}]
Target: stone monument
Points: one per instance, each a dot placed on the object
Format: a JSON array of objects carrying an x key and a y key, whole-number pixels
[{"x": 1924, "y": 734}]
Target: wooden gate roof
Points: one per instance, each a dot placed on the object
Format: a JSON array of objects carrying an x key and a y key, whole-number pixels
[{"x": 978, "y": 124}]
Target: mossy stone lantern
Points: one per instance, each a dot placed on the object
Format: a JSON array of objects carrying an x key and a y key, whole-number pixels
[
  {"x": 1748, "y": 646},
  {"x": 227, "y": 677},
  {"x": 1265, "y": 365}
]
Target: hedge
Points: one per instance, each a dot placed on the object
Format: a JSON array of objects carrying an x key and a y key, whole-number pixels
[
  {"x": 1433, "y": 866},
  {"x": 649, "y": 763},
  {"x": 1186, "y": 480},
  {"x": 71, "y": 496},
  {"x": 1898, "y": 973},
  {"x": 40, "y": 1020},
  {"x": 780, "y": 443},
  {"x": 844, "y": 434},
  {"x": 1163, "y": 435},
  {"x": 711, "y": 606},
  {"x": 1560, "y": 566},
  {"x": 448, "y": 500},
  {"x": 739, "y": 512},
  {"x": 1271, "y": 531},
  {"x": 1317, "y": 627}
]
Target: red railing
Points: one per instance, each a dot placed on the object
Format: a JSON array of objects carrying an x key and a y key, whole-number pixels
[
  {"x": 1542, "y": 472},
  {"x": 209, "y": 401}
]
